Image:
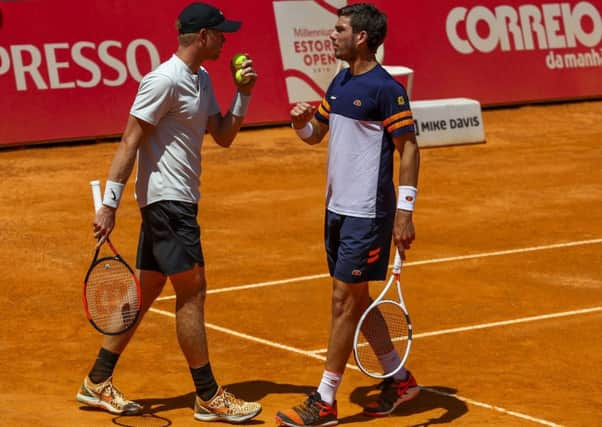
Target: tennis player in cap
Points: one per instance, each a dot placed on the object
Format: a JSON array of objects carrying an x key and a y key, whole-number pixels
[{"x": 173, "y": 108}]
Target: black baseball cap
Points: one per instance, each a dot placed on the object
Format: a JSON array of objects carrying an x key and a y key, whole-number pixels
[{"x": 196, "y": 16}]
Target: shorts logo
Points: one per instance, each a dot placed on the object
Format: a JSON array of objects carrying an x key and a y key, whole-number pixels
[
  {"x": 374, "y": 255},
  {"x": 400, "y": 100},
  {"x": 356, "y": 273},
  {"x": 357, "y": 103}
]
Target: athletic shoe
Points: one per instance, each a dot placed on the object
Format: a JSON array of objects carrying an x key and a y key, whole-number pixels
[
  {"x": 108, "y": 397},
  {"x": 393, "y": 393},
  {"x": 313, "y": 412},
  {"x": 225, "y": 406}
]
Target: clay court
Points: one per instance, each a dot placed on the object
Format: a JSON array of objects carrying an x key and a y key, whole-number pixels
[{"x": 504, "y": 281}]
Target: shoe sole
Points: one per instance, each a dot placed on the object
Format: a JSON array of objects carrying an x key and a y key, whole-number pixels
[
  {"x": 228, "y": 418},
  {"x": 281, "y": 423},
  {"x": 410, "y": 394},
  {"x": 98, "y": 403}
]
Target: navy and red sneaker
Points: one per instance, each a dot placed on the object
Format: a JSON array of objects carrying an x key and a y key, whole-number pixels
[
  {"x": 313, "y": 412},
  {"x": 393, "y": 393}
]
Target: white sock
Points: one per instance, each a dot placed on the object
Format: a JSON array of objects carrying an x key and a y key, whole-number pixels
[
  {"x": 390, "y": 362},
  {"x": 328, "y": 386}
]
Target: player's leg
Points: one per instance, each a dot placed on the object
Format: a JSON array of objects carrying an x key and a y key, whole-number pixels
[
  {"x": 151, "y": 285},
  {"x": 212, "y": 403},
  {"x": 178, "y": 250},
  {"x": 402, "y": 386},
  {"x": 349, "y": 296},
  {"x": 190, "y": 287},
  {"x": 98, "y": 389},
  {"x": 360, "y": 256}
]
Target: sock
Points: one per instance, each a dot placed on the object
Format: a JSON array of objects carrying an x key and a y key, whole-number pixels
[
  {"x": 205, "y": 384},
  {"x": 328, "y": 386},
  {"x": 104, "y": 366},
  {"x": 390, "y": 362}
]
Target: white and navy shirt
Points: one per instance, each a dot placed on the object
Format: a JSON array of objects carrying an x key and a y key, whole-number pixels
[
  {"x": 178, "y": 103},
  {"x": 363, "y": 113}
]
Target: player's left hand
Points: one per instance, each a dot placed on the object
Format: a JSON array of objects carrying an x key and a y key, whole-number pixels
[
  {"x": 248, "y": 74},
  {"x": 403, "y": 231}
]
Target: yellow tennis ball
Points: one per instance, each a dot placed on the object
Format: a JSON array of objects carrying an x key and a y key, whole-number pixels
[
  {"x": 240, "y": 78},
  {"x": 238, "y": 60}
]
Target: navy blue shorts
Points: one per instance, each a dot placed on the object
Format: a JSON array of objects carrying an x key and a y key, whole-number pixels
[
  {"x": 170, "y": 238},
  {"x": 357, "y": 249}
]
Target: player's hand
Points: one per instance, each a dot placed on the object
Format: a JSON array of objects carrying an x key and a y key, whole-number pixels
[
  {"x": 248, "y": 75},
  {"x": 104, "y": 222},
  {"x": 403, "y": 231},
  {"x": 301, "y": 114}
]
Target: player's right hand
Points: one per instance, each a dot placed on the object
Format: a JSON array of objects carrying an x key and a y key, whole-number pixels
[
  {"x": 104, "y": 222},
  {"x": 301, "y": 114}
]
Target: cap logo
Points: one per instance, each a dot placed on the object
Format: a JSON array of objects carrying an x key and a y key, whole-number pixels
[{"x": 400, "y": 100}]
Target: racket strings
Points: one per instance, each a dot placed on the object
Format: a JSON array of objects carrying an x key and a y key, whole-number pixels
[
  {"x": 384, "y": 329},
  {"x": 112, "y": 296}
]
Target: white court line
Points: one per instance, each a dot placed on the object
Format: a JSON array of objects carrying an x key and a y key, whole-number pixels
[
  {"x": 406, "y": 264},
  {"x": 496, "y": 324},
  {"x": 349, "y": 366}
]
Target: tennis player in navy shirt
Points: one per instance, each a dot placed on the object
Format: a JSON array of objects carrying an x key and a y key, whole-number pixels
[{"x": 368, "y": 115}]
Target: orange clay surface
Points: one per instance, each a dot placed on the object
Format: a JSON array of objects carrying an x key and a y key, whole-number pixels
[{"x": 508, "y": 232}]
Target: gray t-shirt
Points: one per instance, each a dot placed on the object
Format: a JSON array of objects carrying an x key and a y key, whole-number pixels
[{"x": 178, "y": 103}]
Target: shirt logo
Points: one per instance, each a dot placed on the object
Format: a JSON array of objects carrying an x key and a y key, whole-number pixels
[
  {"x": 333, "y": 97},
  {"x": 400, "y": 100},
  {"x": 357, "y": 103}
]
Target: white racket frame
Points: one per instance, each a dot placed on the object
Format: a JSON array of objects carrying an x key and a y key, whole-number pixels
[{"x": 381, "y": 300}]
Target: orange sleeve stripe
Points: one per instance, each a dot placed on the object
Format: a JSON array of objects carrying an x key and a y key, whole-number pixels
[
  {"x": 326, "y": 104},
  {"x": 401, "y": 124},
  {"x": 323, "y": 112},
  {"x": 397, "y": 116}
]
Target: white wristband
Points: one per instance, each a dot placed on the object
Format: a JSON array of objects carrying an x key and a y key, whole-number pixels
[
  {"x": 112, "y": 195},
  {"x": 306, "y": 131},
  {"x": 406, "y": 197},
  {"x": 240, "y": 104}
]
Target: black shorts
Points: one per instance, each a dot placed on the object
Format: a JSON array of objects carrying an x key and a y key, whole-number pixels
[
  {"x": 357, "y": 249},
  {"x": 170, "y": 238}
]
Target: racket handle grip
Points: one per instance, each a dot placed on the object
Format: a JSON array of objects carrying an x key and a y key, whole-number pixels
[
  {"x": 397, "y": 263},
  {"x": 96, "y": 194}
]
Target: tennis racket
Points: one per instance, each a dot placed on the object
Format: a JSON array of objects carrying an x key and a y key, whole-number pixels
[
  {"x": 384, "y": 326},
  {"x": 111, "y": 297}
]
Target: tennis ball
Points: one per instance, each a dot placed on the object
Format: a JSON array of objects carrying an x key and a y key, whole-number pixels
[
  {"x": 240, "y": 78},
  {"x": 238, "y": 60}
]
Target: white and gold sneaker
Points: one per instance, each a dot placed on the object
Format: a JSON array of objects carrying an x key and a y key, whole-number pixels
[
  {"x": 108, "y": 397},
  {"x": 225, "y": 406}
]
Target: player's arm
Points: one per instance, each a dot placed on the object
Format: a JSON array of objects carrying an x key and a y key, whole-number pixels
[
  {"x": 136, "y": 133},
  {"x": 223, "y": 129},
  {"x": 409, "y": 166},
  {"x": 308, "y": 128}
]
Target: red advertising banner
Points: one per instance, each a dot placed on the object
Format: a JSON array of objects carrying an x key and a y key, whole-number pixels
[{"x": 70, "y": 70}]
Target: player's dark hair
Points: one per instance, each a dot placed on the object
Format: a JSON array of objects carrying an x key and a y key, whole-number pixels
[{"x": 366, "y": 17}]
